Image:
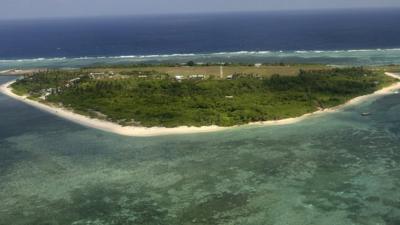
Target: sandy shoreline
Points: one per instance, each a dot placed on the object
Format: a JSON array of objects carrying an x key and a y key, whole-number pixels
[
  {"x": 14, "y": 72},
  {"x": 160, "y": 131}
]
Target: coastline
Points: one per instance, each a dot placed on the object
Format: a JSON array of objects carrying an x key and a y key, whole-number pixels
[
  {"x": 13, "y": 72},
  {"x": 161, "y": 131}
]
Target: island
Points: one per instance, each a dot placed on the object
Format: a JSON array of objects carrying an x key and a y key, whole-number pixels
[{"x": 130, "y": 99}]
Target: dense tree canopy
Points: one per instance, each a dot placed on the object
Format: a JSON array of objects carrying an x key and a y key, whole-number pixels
[{"x": 159, "y": 100}]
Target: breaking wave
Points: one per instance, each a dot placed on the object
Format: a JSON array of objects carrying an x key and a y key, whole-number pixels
[{"x": 183, "y": 55}]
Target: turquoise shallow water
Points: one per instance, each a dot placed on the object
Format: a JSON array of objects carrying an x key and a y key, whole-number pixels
[
  {"x": 333, "y": 57},
  {"x": 334, "y": 169}
]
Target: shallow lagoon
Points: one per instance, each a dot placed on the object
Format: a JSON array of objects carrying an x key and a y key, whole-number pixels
[{"x": 339, "y": 168}]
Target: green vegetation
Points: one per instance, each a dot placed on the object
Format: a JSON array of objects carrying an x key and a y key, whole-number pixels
[
  {"x": 211, "y": 70},
  {"x": 153, "y": 98}
]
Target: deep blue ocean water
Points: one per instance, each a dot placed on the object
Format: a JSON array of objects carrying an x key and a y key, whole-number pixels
[
  {"x": 268, "y": 36},
  {"x": 332, "y": 169}
]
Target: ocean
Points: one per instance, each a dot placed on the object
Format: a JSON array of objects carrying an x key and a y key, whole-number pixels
[
  {"x": 338, "y": 168},
  {"x": 333, "y": 169},
  {"x": 355, "y": 37}
]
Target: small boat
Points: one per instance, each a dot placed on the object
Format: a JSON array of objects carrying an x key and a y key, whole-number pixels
[
  {"x": 365, "y": 114},
  {"x": 396, "y": 92}
]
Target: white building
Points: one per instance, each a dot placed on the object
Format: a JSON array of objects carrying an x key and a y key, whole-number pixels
[
  {"x": 179, "y": 77},
  {"x": 197, "y": 76}
]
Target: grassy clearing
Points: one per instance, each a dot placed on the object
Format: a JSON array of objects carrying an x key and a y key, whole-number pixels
[
  {"x": 161, "y": 100},
  {"x": 264, "y": 70}
]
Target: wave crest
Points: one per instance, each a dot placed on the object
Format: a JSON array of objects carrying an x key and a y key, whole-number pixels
[{"x": 218, "y": 54}]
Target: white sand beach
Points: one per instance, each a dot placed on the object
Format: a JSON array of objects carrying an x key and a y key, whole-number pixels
[
  {"x": 160, "y": 131},
  {"x": 14, "y": 72}
]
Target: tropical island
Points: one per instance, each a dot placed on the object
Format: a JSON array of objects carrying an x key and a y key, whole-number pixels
[{"x": 197, "y": 95}]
